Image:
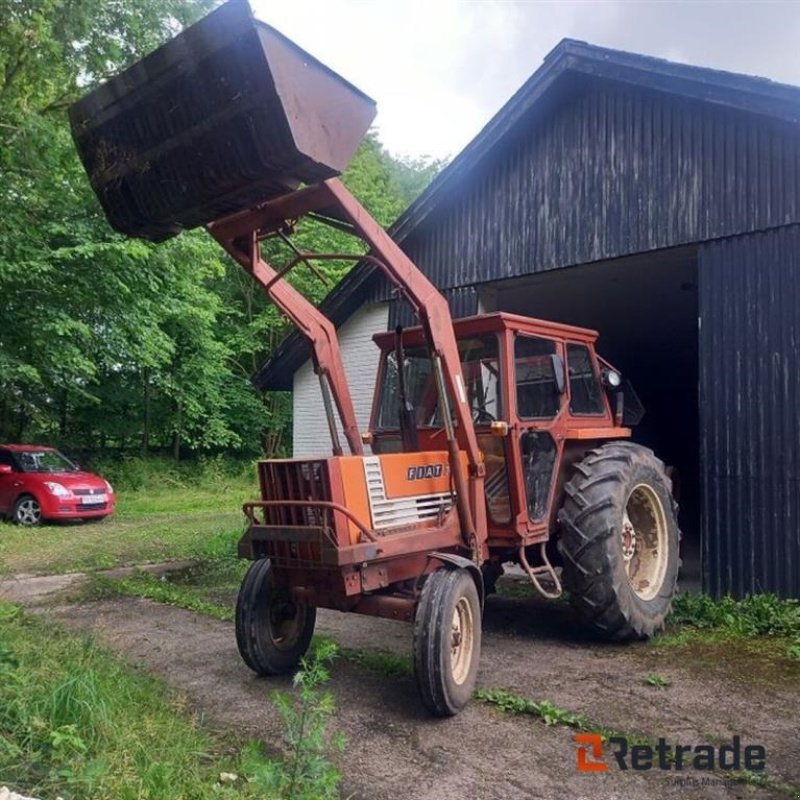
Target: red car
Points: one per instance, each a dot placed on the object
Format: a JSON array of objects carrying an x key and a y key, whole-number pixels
[{"x": 39, "y": 483}]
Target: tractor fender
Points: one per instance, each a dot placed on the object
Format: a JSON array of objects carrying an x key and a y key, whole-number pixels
[{"x": 453, "y": 561}]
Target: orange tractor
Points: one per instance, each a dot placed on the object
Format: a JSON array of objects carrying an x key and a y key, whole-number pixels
[{"x": 493, "y": 439}]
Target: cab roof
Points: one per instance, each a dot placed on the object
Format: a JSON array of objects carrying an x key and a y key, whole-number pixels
[{"x": 493, "y": 323}]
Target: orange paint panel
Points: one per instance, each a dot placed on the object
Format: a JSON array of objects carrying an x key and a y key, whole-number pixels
[
  {"x": 355, "y": 492},
  {"x": 411, "y": 474},
  {"x": 597, "y": 433}
]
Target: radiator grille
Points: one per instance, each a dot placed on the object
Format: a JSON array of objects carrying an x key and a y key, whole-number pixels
[
  {"x": 393, "y": 513},
  {"x": 295, "y": 480}
]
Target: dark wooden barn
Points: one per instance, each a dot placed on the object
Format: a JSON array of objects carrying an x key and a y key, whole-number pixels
[{"x": 660, "y": 204}]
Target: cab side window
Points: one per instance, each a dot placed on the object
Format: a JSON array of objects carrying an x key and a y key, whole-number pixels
[
  {"x": 585, "y": 393},
  {"x": 537, "y": 393}
]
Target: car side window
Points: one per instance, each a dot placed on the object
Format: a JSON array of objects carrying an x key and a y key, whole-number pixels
[
  {"x": 8, "y": 459},
  {"x": 585, "y": 394}
]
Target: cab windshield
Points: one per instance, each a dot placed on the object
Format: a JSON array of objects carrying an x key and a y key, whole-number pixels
[
  {"x": 44, "y": 461},
  {"x": 479, "y": 364}
]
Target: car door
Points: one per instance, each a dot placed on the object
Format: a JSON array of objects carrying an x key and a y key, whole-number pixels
[{"x": 8, "y": 481}]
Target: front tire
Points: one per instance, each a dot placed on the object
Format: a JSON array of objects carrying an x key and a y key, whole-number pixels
[
  {"x": 447, "y": 641},
  {"x": 27, "y": 511},
  {"x": 619, "y": 541},
  {"x": 272, "y": 632}
]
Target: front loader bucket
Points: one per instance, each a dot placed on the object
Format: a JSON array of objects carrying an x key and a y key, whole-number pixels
[{"x": 227, "y": 114}]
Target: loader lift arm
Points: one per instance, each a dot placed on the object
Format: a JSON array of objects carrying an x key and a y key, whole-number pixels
[{"x": 240, "y": 234}]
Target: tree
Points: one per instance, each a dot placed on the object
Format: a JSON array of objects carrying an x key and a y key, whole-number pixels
[{"x": 108, "y": 342}]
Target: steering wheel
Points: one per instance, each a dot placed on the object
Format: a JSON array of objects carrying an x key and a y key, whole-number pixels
[{"x": 481, "y": 415}]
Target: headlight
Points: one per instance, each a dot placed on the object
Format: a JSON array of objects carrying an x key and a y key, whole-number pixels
[
  {"x": 613, "y": 378},
  {"x": 57, "y": 489},
  {"x": 109, "y": 487}
]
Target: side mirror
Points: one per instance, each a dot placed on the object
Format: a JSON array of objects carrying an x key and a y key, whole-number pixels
[
  {"x": 558, "y": 373},
  {"x": 6, "y": 469}
]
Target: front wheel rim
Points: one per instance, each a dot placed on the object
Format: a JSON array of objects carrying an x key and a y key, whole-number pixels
[
  {"x": 29, "y": 512},
  {"x": 285, "y": 622},
  {"x": 644, "y": 541},
  {"x": 462, "y": 637}
]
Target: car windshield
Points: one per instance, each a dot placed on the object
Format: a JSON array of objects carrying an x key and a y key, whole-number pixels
[{"x": 45, "y": 461}]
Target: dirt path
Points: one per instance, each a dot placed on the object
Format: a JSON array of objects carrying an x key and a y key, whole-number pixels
[{"x": 395, "y": 751}]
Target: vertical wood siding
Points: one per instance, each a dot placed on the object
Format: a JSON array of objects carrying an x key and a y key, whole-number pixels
[
  {"x": 749, "y": 298},
  {"x": 611, "y": 171}
]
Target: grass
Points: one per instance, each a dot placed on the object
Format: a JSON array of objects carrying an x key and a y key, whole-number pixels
[
  {"x": 381, "y": 662},
  {"x": 144, "y": 584},
  {"x": 508, "y": 587},
  {"x": 77, "y": 722},
  {"x": 698, "y": 617},
  {"x": 115, "y": 542},
  {"x": 172, "y": 515}
]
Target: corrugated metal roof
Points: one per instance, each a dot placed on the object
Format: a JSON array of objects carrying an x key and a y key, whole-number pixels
[{"x": 571, "y": 66}]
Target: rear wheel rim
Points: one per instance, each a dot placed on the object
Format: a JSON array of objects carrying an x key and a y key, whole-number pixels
[
  {"x": 644, "y": 541},
  {"x": 462, "y": 637},
  {"x": 29, "y": 512}
]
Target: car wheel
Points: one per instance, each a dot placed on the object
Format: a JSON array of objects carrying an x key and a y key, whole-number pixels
[{"x": 27, "y": 511}]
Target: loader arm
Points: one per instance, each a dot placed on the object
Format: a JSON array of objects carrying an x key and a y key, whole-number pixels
[
  {"x": 240, "y": 233},
  {"x": 315, "y": 326}
]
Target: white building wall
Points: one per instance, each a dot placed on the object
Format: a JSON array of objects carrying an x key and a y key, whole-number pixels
[{"x": 310, "y": 436}]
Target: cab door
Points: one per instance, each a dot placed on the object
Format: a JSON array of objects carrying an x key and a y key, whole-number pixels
[{"x": 539, "y": 389}]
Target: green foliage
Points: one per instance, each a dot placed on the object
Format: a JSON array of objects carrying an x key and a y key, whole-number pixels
[
  {"x": 754, "y": 615},
  {"x": 549, "y": 713},
  {"x": 657, "y": 681},
  {"x": 381, "y": 662},
  {"x": 76, "y": 722},
  {"x": 157, "y": 588},
  {"x": 306, "y": 773},
  {"x": 111, "y": 343},
  {"x": 152, "y": 475}
]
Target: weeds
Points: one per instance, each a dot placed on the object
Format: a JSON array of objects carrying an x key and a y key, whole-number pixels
[
  {"x": 658, "y": 681},
  {"x": 305, "y": 773},
  {"x": 753, "y": 616},
  {"x": 549, "y": 713}
]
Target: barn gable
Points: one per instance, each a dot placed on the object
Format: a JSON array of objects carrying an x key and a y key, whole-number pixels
[{"x": 600, "y": 154}]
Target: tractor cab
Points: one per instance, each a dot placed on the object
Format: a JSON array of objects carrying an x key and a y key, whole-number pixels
[{"x": 538, "y": 394}]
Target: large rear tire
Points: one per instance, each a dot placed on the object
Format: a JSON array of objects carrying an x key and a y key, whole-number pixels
[
  {"x": 619, "y": 541},
  {"x": 272, "y": 632},
  {"x": 447, "y": 641}
]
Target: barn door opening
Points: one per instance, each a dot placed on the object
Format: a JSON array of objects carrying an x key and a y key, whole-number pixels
[{"x": 645, "y": 308}]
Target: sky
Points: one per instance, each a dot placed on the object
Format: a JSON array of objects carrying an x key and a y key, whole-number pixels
[{"x": 440, "y": 69}]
